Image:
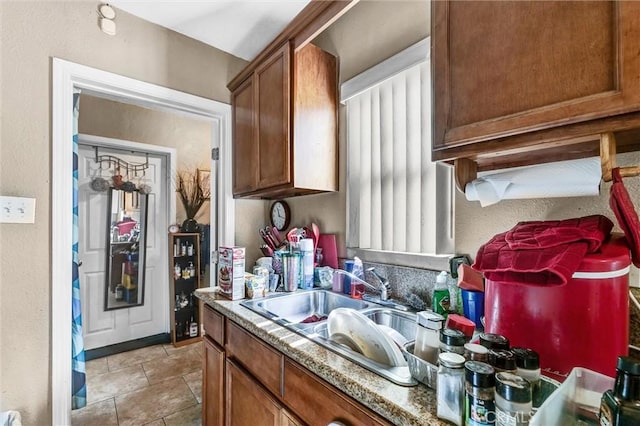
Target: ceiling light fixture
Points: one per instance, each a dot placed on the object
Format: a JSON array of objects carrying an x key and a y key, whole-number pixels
[{"x": 106, "y": 20}]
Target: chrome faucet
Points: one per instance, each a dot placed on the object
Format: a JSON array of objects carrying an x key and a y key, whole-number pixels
[{"x": 384, "y": 286}]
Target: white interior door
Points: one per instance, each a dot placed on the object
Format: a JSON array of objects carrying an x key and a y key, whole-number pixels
[{"x": 100, "y": 327}]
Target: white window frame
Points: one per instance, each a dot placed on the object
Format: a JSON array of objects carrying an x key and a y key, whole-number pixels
[{"x": 443, "y": 201}]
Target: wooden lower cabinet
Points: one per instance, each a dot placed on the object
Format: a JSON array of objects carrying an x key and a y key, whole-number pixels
[
  {"x": 250, "y": 383},
  {"x": 318, "y": 403},
  {"x": 213, "y": 384},
  {"x": 249, "y": 404}
]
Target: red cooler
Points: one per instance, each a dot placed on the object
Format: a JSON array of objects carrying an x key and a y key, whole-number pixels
[{"x": 584, "y": 323}]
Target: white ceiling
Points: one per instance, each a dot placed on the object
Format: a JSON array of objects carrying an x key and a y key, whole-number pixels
[{"x": 241, "y": 27}]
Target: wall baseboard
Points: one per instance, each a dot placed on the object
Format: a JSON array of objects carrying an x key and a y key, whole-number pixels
[{"x": 156, "y": 339}]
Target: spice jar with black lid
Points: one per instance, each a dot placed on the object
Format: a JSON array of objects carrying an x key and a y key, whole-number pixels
[
  {"x": 494, "y": 341},
  {"x": 621, "y": 405},
  {"x": 475, "y": 352},
  {"x": 513, "y": 400},
  {"x": 503, "y": 361},
  {"x": 452, "y": 340},
  {"x": 479, "y": 394},
  {"x": 528, "y": 364}
]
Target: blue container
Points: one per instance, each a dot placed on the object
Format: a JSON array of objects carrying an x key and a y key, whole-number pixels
[{"x": 473, "y": 305}]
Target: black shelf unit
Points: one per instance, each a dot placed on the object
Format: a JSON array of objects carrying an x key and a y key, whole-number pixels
[{"x": 184, "y": 272}]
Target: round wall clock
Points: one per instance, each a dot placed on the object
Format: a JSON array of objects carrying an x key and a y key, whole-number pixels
[
  {"x": 280, "y": 215},
  {"x": 174, "y": 228}
]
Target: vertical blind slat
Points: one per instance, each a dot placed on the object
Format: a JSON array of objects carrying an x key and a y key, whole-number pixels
[
  {"x": 386, "y": 161},
  {"x": 365, "y": 171},
  {"x": 399, "y": 164},
  {"x": 413, "y": 155},
  {"x": 353, "y": 171},
  {"x": 376, "y": 190}
]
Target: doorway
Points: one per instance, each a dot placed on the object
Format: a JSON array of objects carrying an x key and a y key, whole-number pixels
[{"x": 66, "y": 77}]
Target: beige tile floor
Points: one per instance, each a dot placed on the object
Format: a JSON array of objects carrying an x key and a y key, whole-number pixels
[{"x": 158, "y": 385}]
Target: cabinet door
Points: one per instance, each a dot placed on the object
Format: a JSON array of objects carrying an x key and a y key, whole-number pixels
[
  {"x": 272, "y": 120},
  {"x": 511, "y": 67},
  {"x": 261, "y": 360},
  {"x": 245, "y": 148},
  {"x": 213, "y": 384},
  {"x": 248, "y": 403}
]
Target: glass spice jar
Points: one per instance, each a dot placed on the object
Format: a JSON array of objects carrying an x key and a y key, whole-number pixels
[
  {"x": 479, "y": 394},
  {"x": 621, "y": 405},
  {"x": 513, "y": 400},
  {"x": 494, "y": 341},
  {"x": 503, "y": 361},
  {"x": 528, "y": 363},
  {"x": 475, "y": 352},
  {"x": 452, "y": 340},
  {"x": 450, "y": 387},
  {"x": 428, "y": 329}
]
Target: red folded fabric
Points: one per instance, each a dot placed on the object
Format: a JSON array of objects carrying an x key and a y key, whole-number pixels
[
  {"x": 542, "y": 234},
  {"x": 622, "y": 206},
  {"x": 542, "y": 252}
]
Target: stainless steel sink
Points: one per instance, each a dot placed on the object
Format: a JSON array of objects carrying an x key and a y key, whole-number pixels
[
  {"x": 301, "y": 308},
  {"x": 305, "y": 312}
]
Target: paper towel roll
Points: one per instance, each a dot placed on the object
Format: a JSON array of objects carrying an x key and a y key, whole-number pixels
[{"x": 573, "y": 178}]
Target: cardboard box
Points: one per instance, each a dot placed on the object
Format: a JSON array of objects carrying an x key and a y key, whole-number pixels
[{"x": 231, "y": 272}]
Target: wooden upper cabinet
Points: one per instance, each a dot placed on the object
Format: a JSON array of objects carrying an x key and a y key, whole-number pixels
[
  {"x": 504, "y": 70},
  {"x": 285, "y": 125},
  {"x": 285, "y": 111}
]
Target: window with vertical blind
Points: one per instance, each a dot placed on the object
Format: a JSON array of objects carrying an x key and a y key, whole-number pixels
[{"x": 399, "y": 202}]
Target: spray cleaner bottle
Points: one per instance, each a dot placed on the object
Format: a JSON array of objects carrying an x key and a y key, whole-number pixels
[{"x": 441, "y": 298}]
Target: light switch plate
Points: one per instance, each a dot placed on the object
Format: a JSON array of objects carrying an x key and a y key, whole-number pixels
[{"x": 17, "y": 210}]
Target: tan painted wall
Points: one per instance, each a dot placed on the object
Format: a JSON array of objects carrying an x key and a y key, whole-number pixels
[
  {"x": 190, "y": 136},
  {"x": 31, "y": 34}
]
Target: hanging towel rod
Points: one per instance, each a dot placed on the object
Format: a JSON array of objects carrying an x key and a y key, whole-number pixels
[{"x": 608, "y": 158}]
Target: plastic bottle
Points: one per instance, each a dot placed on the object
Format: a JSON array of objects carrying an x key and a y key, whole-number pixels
[
  {"x": 306, "y": 248},
  {"x": 193, "y": 328},
  {"x": 357, "y": 289},
  {"x": 441, "y": 298}
]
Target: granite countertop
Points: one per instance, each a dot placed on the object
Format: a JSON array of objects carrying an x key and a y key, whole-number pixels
[{"x": 400, "y": 405}]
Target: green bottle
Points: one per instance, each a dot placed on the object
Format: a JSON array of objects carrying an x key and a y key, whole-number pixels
[
  {"x": 441, "y": 298},
  {"x": 621, "y": 406}
]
